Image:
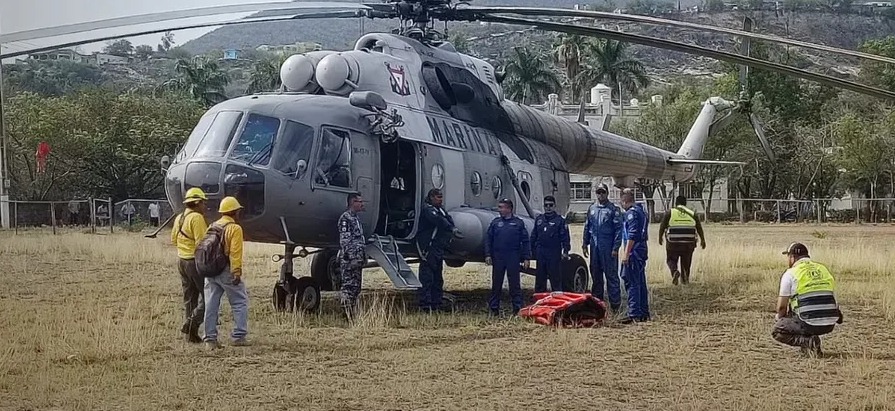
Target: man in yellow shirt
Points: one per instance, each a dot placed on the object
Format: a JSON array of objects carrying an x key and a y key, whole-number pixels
[
  {"x": 229, "y": 280},
  {"x": 189, "y": 228}
]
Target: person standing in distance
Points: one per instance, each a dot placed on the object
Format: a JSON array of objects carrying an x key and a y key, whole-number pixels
[
  {"x": 435, "y": 233},
  {"x": 683, "y": 225},
  {"x": 634, "y": 258},
  {"x": 189, "y": 227},
  {"x": 551, "y": 244},
  {"x": 228, "y": 281},
  {"x": 806, "y": 306},
  {"x": 506, "y": 248},
  {"x": 352, "y": 255},
  {"x": 602, "y": 239}
]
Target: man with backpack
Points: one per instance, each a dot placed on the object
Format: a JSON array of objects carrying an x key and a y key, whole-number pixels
[
  {"x": 189, "y": 228},
  {"x": 219, "y": 260}
]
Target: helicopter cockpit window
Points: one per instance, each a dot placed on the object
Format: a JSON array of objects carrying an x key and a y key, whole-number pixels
[
  {"x": 219, "y": 135},
  {"x": 196, "y": 137},
  {"x": 334, "y": 164},
  {"x": 294, "y": 145},
  {"x": 256, "y": 141}
]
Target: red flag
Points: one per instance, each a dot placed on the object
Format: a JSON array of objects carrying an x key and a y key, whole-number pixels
[{"x": 43, "y": 151}]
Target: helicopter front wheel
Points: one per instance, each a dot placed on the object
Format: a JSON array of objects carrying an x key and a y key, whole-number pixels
[{"x": 301, "y": 294}]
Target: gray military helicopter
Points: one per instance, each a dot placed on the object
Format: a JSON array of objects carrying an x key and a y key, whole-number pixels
[{"x": 404, "y": 112}]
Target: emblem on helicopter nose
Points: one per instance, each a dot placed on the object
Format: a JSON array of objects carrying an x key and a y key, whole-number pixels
[{"x": 398, "y": 80}]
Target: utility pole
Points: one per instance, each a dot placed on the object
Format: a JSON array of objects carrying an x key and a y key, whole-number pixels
[{"x": 4, "y": 163}]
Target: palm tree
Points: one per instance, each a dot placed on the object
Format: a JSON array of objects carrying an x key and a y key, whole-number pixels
[
  {"x": 567, "y": 51},
  {"x": 528, "y": 76},
  {"x": 606, "y": 61},
  {"x": 201, "y": 78},
  {"x": 265, "y": 74}
]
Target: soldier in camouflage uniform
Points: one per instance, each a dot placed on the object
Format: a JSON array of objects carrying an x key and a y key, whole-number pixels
[{"x": 352, "y": 255}]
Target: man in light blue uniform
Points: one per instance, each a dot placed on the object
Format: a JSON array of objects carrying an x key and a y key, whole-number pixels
[
  {"x": 634, "y": 256},
  {"x": 602, "y": 238}
]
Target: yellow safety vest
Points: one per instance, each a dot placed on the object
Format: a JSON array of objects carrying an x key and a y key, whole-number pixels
[
  {"x": 814, "y": 301},
  {"x": 681, "y": 226}
]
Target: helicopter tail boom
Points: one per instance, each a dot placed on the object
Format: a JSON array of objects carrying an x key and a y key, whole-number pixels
[{"x": 693, "y": 145}]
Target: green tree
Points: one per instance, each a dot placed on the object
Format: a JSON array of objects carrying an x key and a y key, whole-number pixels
[
  {"x": 607, "y": 61},
  {"x": 52, "y": 77},
  {"x": 143, "y": 52},
  {"x": 714, "y": 6},
  {"x": 201, "y": 78},
  {"x": 461, "y": 42},
  {"x": 265, "y": 74},
  {"x": 103, "y": 143},
  {"x": 877, "y": 73},
  {"x": 529, "y": 77},
  {"x": 167, "y": 42},
  {"x": 122, "y": 48},
  {"x": 567, "y": 52}
]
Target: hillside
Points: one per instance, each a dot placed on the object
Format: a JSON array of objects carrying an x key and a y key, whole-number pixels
[{"x": 840, "y": 30}]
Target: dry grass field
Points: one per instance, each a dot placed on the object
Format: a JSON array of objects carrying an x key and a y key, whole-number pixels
[{"x": 91, "y": 322}]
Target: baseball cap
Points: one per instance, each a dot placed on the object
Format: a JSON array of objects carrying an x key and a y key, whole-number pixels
[
  {"x": 602, "y": 187},
  {"x": 798, "y": 249}
]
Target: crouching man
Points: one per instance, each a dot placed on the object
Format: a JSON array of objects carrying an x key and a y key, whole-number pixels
[{"x": 806, "y": 307}]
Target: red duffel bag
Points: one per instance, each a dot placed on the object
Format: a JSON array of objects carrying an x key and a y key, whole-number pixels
[{"x": 566, "y": 310}]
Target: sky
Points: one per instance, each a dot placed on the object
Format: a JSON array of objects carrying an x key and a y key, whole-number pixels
[{"x": 18, "y": 15}]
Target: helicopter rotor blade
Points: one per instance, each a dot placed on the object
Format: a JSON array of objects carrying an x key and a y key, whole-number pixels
[
  {"x": 758, "y": 127},
  {"x": 691, "y": 49},
  {"x": 554, "y": 12},
  {"x": 28, "y": 35},
  {"x": 745, "y": 50},
  {"x": 306, "y": 16}
]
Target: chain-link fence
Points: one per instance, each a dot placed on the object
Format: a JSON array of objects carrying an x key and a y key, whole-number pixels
[
  {"x": 824, "y": 210},
  {"x": 97, "y": 215}
]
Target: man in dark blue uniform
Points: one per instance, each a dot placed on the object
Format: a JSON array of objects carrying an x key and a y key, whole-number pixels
[
  {"x": 435, "y": 233},
  {"x": 550, "y": 243},
  {"x": 506, "y": 247},
  {"x": 602, "y": 239},
  {"x": 634, "y": 258}
]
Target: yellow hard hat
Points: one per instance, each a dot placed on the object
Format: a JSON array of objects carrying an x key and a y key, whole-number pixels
[
  {"x": 194, "y": 194},
  {"x": 229, "y": 204}
]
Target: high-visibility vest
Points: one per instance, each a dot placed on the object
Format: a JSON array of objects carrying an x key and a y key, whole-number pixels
[
  {"x": 681, "y": 226},
  {"x": 814, "y": 301}
]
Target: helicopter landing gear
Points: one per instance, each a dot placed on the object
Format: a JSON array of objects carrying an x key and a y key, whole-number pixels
[
  {"x": 290, "y": 293},
  {"x": 575, "y": 274},
  {"x": 326, "y": 271}
]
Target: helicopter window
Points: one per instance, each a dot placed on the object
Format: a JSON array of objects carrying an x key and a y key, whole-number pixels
[
  {"x": 334, "y": 165},
  {"x": 218, "y": 137},
  {"x": 496, "y": 186},
  {"x": 475, "y": 182},
  {"x": 256, "y": 141},
  {"x": 438, "y": 176},
  {"x": 196, "y": 137},
  {"x": 293, "y": 145}
]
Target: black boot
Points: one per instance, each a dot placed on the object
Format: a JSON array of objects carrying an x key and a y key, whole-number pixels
[{"x": 674, "y": 276}]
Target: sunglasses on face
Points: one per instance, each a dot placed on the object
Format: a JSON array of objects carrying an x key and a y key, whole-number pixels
[{"x": 548, "y": 204}]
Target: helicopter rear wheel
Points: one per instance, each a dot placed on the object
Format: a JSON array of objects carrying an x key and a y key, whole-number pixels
[{"x": 326, "y": 271}]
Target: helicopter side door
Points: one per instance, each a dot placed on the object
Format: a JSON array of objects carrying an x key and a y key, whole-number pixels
[{"x": 344, "y": 163}]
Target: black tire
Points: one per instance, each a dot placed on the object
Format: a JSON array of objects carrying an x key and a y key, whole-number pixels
[
  {"x": 575, "y": 274},
  {"x": 454, "y": 263},
  {"x": 325, "y": 270},
  {"x": 307, "y": 295}
]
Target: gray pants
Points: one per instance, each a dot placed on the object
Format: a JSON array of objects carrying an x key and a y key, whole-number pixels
[
  {"x": 237, "y": 296},
  {"x": 193, "y": 300},
  {"x": 793, "y": 331}
]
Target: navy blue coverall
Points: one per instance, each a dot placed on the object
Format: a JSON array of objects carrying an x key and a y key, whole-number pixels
[
  {"x": 508, "y": 246},
  {"x": 434, "y": 236},
  {"x": 634, "y": 271},
  {"x": 549, "y": 242},
  {"x": 603, "y": 234}
]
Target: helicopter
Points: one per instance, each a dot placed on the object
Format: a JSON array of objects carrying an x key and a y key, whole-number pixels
[{"x": 404, "y": 112}]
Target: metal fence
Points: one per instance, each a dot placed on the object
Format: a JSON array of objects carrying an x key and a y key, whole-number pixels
[
  {"x": 818, "y": 211},
  {"x": 97, "y": 215}
]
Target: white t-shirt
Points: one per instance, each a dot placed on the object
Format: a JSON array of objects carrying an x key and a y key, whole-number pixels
[
  {"x": 788, "y": 282},
  {"x": 153, "y": 210}
]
